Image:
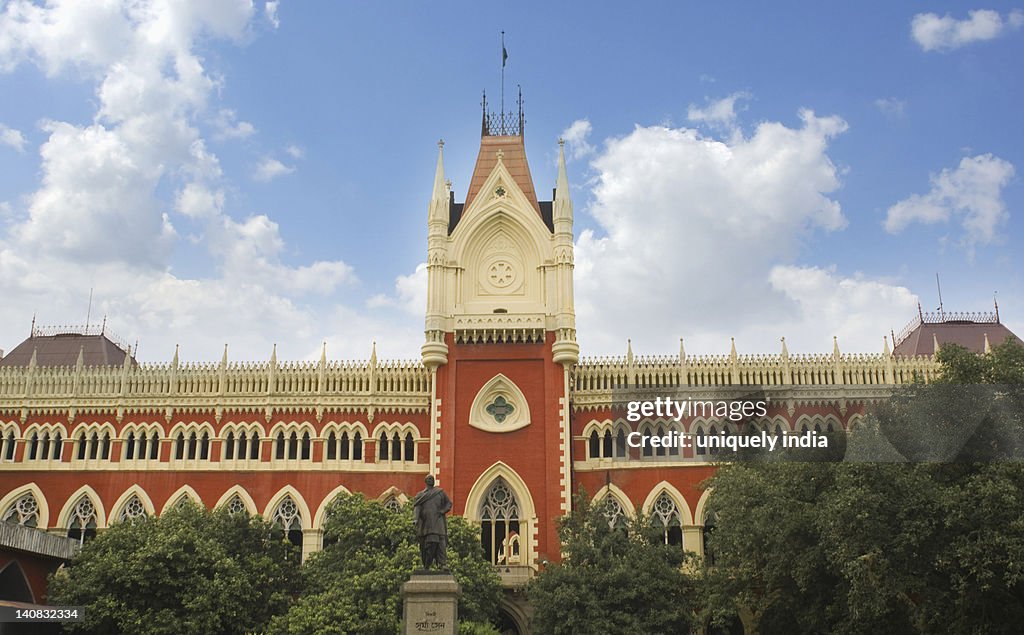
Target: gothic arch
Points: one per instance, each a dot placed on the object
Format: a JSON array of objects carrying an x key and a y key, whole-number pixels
[
  {"x": 504, "y": 388},
  {"x": 243, "y": 495},
  {"x": 14, "y": 583},
  {"x": 184, "y": 490},
  {"x": 321, "y": 512},
  {"x": 306, "y": 518},
  {"x": 614, "y": 490},
  {"x": 29, "y": 488},
  {"x": 675, "y": 495},
  {"x": 147, "y": 503},
  {"x": 702, "y": 505},
  {"x": 69, "y": 505},
  {"x": 527, "y": 511}
]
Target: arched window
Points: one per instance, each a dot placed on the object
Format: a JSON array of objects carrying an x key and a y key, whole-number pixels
[
  {"x": 129, "y": 447},
  {"x": 106, "y": 446},
  {"x": 393, "y": 504},
  {"x": 357, "y": 447},
  {"x": 279, "y": 446},
  {"x": 648, "y": 449},
  {"x": 700, "y": 448},
  {"x": 44, "y": 452},
  {"x": 254, "y": 445},
  {"x": 293, "y": 445},
  {"x": 332, "y": 446},
  {"x": 710, "y": 521},
  {"x": 382, "y": 447},
  {"x": 595, "y": 445},
  {"x": 236, "y": 505},
  {"x": 713, "y": 433},
  {"x": 344, "y": 451},
  {"x": 82, "y": 446},
  {"x": 606, "y": 449},
  {"x": 665, "y": 516},
  {"x": 620, "y": 445},
  {"x": 94, "y": 445},
  {"x": 410, "y": 447},
  {"x": 33, "y": 446},
  {"x": 154, "y": 446},
  {"x": 9, "y": 446},
  {"x": 611, "y": 509},
  {"x": 204, "y": 446},
  {"x": 191, "y": 445},
  {"x": 82, "y": 520},
  {"x": 229, "y": 446},
  {"x": 24, "y": 511},
  {"x": 499, "y": 528},
  {"x": 58, "y": 446},
  {"x": 287, "y": 520},
  {"x": 306, "y": 446},
  {"x": 132, "y": 509},
  {"x": 179, "y": 446},
  {"x": 143, "y": 442},
  {"x": 396, "y": 447}
]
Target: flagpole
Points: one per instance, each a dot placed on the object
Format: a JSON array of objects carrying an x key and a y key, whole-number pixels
[{"x": 503, "y": 75}]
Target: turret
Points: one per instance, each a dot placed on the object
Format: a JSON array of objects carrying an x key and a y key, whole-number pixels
[
  {"x": 434, "y": 350},
  {"x": 565, "y": 349}
]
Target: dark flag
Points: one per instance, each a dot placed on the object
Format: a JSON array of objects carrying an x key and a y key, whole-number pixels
[{"x": 504, "y": 55}]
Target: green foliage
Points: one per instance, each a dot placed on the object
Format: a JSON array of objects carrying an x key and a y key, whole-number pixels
[
  {"x": 190, "y": 570},
  {"x": 931, "y": 545},
  {"x": 612, "y": 580},
  {"x": 354, "y": 584}
]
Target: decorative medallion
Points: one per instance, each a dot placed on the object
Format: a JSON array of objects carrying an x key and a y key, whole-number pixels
[
  {"x": 501, "y": 273},
  {"x": 500, "y": 409}
]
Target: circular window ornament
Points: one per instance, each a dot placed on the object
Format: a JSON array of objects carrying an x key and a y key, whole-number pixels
[
  {"x": 499, "y": 406},
  {"x": 501, "y": 274}
]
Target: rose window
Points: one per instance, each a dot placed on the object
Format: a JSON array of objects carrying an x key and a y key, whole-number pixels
[{"x": 501, "y": 274}]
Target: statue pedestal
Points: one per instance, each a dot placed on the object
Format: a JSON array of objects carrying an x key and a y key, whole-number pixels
[{"x": 431, "y": 604}]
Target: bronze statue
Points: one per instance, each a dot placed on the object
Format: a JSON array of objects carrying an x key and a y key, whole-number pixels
[{"x": 428, "y": 512}]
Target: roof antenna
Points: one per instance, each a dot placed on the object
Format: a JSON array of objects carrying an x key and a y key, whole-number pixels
[
  {"x": 504, "y": 56},
  {"x": 995, "y": 302},
  {"x": 33, "y": 333},
  {"x": 88, "y": 313},
  {"x": 942, "y": 315}
]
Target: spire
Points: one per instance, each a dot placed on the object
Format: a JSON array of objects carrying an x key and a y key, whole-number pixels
[
  {"x": 373, "y": 354},
  {"x": 81, "y": 358},
  {"x": 935, "y": 343},
  {"x": 988, "y": 347},
  {"x": 629, "y": 351},
  {"x": 323, "y": 354},
  {"x": 885, "y": 346},
  {"x": 562, "y": 208},
  {"x": 682, "y": 351},
  {"x": 174, "y": 361},
  {"x": 224, "y": 357},
  {"x": 785, "y": 351},
  {"x": 440, "y": 187},
  {"x": 562, "y": 184},
  {"x": 835, "y": 348},
  {"x": 273, "y": 356},
  {"x": 32, "y": 363},
  {"x": 732, "y": 348}
]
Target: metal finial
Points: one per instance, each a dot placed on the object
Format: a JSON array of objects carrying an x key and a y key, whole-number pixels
[{"x": 440, "y": 143}]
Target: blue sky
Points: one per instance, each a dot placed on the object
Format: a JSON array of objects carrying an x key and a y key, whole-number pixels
[{"x": 250, "y": 174}]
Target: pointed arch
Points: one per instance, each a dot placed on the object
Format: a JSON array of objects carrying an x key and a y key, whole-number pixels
[
  {"x": 321, "y": 512},
  {"x": 614, "y": 490},
  {"x": 477, "y": 493},
  {"x": 305, "y": 518},
  {"x": 243, "y": 495},
  {"x": 675, "y": 495},
  {"x": 702, "y": 506},
  {"x": 14, "y": 584},
  {"x": 135, "y": 490},
  {"x": 184, "y": 490},
  {"x": 513, "y": 414},
  {"x": 12, "y": 497},
  {"x": 69, "y": 506}
]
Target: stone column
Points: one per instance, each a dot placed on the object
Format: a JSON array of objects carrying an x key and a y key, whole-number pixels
[{"x": 431, "y": 604}]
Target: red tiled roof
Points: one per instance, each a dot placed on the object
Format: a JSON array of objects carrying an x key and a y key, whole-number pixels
[{"x": 515, "y": 162}]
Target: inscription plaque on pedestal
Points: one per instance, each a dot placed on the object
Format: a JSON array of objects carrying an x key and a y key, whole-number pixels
[{"x": 431, "y": 604}]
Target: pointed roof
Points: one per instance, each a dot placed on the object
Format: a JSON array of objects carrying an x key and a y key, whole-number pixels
[
  {"x": 970, "y": 330},
  {"x": 514, "y": 158},
  {"x": 64, "y": 350}
]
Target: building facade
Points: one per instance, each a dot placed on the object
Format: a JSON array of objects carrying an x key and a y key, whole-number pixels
[{"x": 501, "y": 408}]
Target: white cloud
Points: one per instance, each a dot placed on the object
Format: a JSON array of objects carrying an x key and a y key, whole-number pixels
[
  {"x": 891, "y": 107},
  {"x": 270, "y": 168},
  {"x": 228, "y": 127},
  {"x": 295, "y": 151},
  {"x": 972, "y": 191},
  {"x": 270, "y": 10},
  {"x": 410, "y": 293},
  {"x": 576, "y": 136},
  {"x": 691, "y": 228},
  {"x": 100, "y": 216},
  {"x": 718, "y": 112},
  {"x": 13, "y": 138},
  {"x": 946, "y": 33}
]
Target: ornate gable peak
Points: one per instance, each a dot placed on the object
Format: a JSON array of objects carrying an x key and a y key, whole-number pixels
[{"x": 513, "y": 160}]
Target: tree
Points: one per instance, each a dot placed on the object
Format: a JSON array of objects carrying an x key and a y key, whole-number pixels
[
  {"x": 354, "y": 584},
  {"x": 934, "y": 543},
  {"x": 189, "y": 570},
  {"x": 612, "y": 579}
]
